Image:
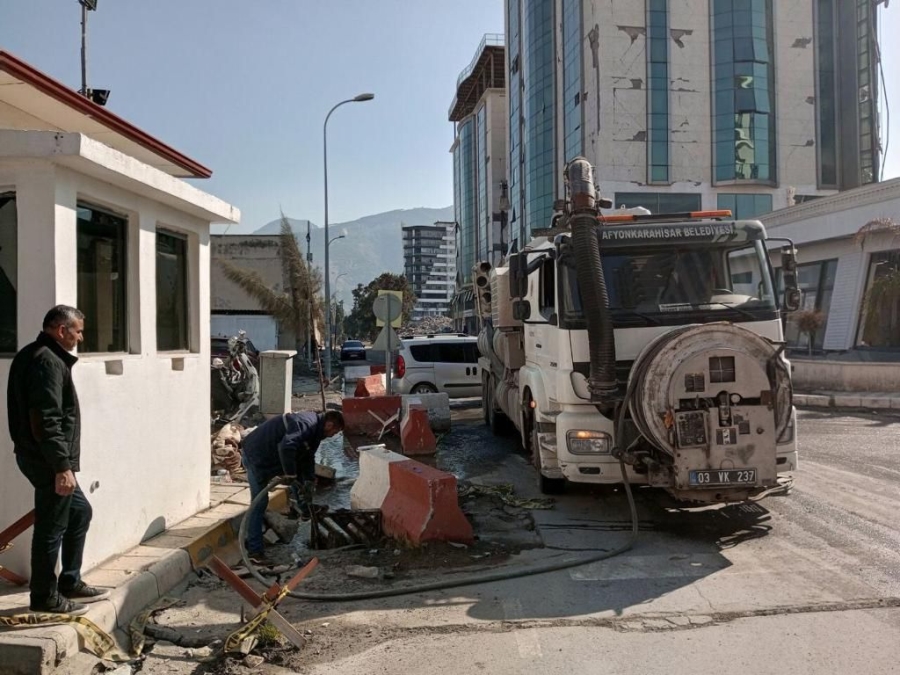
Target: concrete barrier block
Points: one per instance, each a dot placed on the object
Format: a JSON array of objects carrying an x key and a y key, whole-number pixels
[
  {"x": 374, "y": 481},
  {"x": 371, "y": 385},
  {"x": 416, "y": 437},
  {"x": 437, "y": 405},
  {"x": 378, "y": 370},
  {"x": 357, "y": 419},
  {"x": 422, "y": 505}
]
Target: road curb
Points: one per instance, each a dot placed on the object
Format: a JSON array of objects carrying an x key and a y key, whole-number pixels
[
  {"x": 849, "y": 401},
  {"x": 137, "y": 579}
]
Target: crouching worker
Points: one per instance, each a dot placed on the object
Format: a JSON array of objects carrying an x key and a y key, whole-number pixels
[{"x": 284, "y": 446}]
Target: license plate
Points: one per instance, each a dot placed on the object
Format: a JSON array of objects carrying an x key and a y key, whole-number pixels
[{"x": 724, "y": 477}]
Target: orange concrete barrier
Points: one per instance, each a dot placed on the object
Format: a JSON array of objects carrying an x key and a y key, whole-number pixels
[
  {"x": 357, "y": 419},
  {"x": 416, "y": 437},
  {"x": 422, "y": 505},
  {"x": 371, "y": 385}
]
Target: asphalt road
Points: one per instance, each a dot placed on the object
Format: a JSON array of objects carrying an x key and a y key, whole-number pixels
[
  {"x": 806, "y": 583},
  {"x": 803, "y": 583}
]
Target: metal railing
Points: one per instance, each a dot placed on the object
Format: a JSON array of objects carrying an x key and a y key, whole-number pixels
[{"x": 489, "y": 40}]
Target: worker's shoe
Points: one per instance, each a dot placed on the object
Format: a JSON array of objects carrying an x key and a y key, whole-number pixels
[
  {"x": 84, "y": 593},
  {"x": 259, "y": 558},
  {"x": 59, "y": 605}
]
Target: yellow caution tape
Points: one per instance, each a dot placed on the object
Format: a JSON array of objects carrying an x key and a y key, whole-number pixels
[
  {"x": 236, "y": 639},
  {"x": 96, "y": 640}
]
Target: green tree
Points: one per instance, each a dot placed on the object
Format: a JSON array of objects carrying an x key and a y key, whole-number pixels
[
  {"x": 302, "y": 288},
  {"x": 361, "y": 321}
]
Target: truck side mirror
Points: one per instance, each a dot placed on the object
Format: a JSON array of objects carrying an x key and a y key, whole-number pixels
[
  {"x": 521, "y": 310},
  {"x": 792, "y": 296},
  {"x": 518, "y": 275}
]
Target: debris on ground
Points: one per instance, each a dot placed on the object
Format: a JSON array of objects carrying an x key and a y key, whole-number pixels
[
  {"x": 505, "y": 493},
  {"x": 362, "y": 572},
  {"x": 226, "y": 451}
]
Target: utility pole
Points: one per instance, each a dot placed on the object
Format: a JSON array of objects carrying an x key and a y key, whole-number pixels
[{"x": 84, "y": 11}]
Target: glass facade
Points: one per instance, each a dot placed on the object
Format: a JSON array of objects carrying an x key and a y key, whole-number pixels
[
  {"x": 659, "y": 202},
  {"x": 9, "y": 272},
  {"x": 826, "y": 93},
  {"x": 866, "y": 94},
  {"x": 572, "y": 74},
  {"x": 483, "y": 229},
  {"x": 657, "y": 91},
  {"x": 816, "y": 283},
  {"x": 538, "y": 71},
  {"x": 514, "y": 91},
  {"x": 743, "y": 91},
  {"x": 745, "y": 207},
  {"x": 468, "y": 231}
]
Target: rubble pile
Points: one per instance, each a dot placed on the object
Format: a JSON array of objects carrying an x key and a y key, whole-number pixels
[
  {"x": 226, "y": 453},
  {"x": 429, "y": 326}
]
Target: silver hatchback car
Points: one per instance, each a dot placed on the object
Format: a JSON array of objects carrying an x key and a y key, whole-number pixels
[{"x": 442, "y": 363}]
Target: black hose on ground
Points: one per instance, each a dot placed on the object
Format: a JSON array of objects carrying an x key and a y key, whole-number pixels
[{"x": 444, "y": 584}]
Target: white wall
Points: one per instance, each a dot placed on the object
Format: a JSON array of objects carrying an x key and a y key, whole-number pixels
[{"x": 145, "y": 436}]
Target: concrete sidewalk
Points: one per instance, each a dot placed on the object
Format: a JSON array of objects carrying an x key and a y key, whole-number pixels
[
  {"x": 848, "y": 400},
  {"x": 137, "y": 578}
]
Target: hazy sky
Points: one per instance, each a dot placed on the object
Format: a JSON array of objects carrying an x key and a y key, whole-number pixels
[{"x": 244, "y": 86}]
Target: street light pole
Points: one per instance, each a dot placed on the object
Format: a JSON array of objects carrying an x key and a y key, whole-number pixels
[{"x": 356, "y": 99}]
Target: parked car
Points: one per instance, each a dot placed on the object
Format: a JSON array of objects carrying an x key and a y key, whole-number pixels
[
  {"x": 353, "y": 349},
  {"x": 219, "y": 349},
  {"x": 438, "y": 363}
]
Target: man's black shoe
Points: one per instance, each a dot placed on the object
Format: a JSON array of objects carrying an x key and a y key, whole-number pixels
[
  {"x": 59, "y": 605},
  {"x": 84, "y": 593}
]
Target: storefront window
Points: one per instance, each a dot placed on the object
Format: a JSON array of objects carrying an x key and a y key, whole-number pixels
[
  {"x": 8, "y": 272},
  {"x": 879, "y": 323},
  {"x": 816, "y": 282}
]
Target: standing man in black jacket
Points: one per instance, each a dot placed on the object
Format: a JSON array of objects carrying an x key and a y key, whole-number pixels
[{"x": 45, "y": 425}]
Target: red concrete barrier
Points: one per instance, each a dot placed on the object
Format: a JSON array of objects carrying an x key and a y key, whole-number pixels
[
  {"x": 422, "y": 505},
  {"x": 377, "y": 370},
  {"x": 416, "y": 437},
  {"x": 357, "y": 419},
  {"x": 373, "y": 385}
]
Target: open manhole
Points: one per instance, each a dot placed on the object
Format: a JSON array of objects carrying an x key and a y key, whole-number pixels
[{"x": 345, "y": 527}]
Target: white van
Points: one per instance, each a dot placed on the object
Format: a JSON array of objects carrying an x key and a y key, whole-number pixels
[{"x": 442, "y": 363}]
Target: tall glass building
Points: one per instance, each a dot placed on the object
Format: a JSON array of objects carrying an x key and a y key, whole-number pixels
[
  {"x": 751, "y": 105},
  {"x": 480, "y": 113}
]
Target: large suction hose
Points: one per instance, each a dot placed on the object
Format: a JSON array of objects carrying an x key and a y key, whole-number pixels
[
  {"x": 591, "y": 282},
  {"x": 503, "y": 575}
]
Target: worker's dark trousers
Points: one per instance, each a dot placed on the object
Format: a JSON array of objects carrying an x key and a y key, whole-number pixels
[{"x": 59, "y": 522}]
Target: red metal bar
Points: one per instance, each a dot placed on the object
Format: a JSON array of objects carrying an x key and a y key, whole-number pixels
[
  {"x": 275, "y": 589},
  {"x": 17, "y": 528},
  {"x": 225, "y": 574}
]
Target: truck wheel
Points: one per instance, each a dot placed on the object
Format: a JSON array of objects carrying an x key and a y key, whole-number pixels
[{"x": 547, "y": 486}]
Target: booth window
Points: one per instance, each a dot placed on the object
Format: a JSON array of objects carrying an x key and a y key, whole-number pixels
[
  {"x": 171, "y": 292},
  {"x": 103, "y": 279}
]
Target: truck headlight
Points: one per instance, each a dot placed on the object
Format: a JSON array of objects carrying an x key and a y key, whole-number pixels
[{"x": 588, "y": 442}]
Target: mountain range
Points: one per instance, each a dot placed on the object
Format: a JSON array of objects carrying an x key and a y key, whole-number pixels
[{"x": 372, "y": 245}]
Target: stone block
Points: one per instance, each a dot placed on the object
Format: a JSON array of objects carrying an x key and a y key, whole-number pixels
[
  {"x": 354, "y": 373},
  {"x": 846, "y": 401},
  {"x": 276, "y": 381},
  {"x": 437, "y": 405}
]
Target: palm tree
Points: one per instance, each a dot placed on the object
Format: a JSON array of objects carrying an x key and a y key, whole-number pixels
[{"x": 302, "y": 283}]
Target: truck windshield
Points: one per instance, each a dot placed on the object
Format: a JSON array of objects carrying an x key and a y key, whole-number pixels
[{"x": 677, "y": 283}]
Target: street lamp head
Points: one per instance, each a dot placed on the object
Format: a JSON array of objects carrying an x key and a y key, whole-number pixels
[{"x": 363, "y": 97}]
